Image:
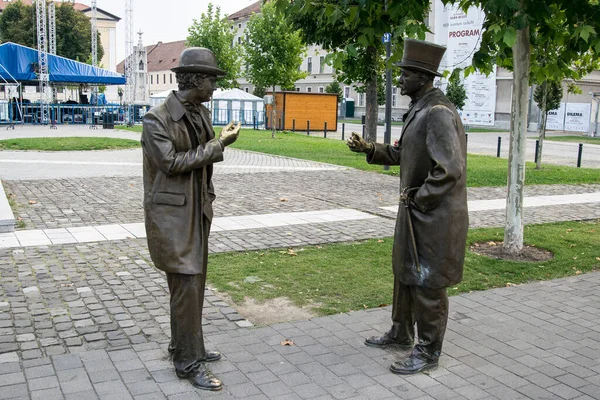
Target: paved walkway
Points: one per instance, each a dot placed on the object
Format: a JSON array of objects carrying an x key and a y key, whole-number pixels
[{"x": 84, "y": 314}]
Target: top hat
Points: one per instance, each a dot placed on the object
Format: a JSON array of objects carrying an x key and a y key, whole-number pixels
[
  {"x": 198, "y": 60},
  {"x": 422, "y": 56}
]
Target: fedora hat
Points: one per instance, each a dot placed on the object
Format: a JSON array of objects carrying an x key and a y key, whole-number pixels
[
  {"x": 421, "y": 56},
  {"x": 198, "y": 60}
]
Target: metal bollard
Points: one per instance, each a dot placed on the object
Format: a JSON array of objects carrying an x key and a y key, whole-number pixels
[
  {"x": 343, "y": 129},
  {"x": 266, "y": 123},
  {"x": 293, "y": 125},
  {"x": 466, "y": 140},
  {"x": 254, "y": 122},
  {"x": 537, "y": 150},
  {"x": 363, "y": 132},
  {"x": 579, "y": 155},
  {"x": 325, "y": 130},
  {"x": 499, "y": 146},
  {"x": 307, "y": 128}
]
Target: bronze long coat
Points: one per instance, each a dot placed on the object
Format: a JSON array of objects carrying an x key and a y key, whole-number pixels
[
  {"x": 178, "y": 192},
  {"x": 432, "y": 156}
]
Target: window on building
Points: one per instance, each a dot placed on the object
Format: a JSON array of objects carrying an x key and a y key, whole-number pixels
[
  {"x": 171, "y": 78},
  {"x": 246, "y": 90},
  {"x": 157, "y": 79},
  {"x": 164, "y": 78},
  {"x": 395, "y": 97},
  {"x": 308, "y": 89},
  {"x": 309, "y": 65},
  {"x": 346, "y": 91},
  {"x": 321, "y": 64},
  {"x": 141, "y": 66},
  {"x": 239, "y": 40},
  {"x": 297, "y": 89},
  {"x": 321, "y": 89},
  {"x": 239, "y": 25},
  {"x": 361, "y": 99},
  {"x": 152, "y": 79}
]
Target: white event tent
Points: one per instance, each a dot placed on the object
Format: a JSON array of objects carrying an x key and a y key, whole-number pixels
[{"x": 227, "y": 105}]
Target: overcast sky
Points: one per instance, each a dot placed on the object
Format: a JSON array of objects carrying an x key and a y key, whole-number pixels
[{"x": 162, "y": 20}]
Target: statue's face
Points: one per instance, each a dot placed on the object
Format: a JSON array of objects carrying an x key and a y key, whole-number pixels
[
  {"x": 206, "y": 88},
  {"x": 410, "y": 82}
]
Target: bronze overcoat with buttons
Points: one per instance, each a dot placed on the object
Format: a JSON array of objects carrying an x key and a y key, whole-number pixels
[
  {"x": 178, "y": 191},
  {"x": 431, "y": 153}
]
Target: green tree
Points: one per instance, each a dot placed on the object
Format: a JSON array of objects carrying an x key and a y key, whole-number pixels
[
  {"x": 516, "y": 34},
  {"x": 214, "y": 32},
  {"x": 547, "y": 96},
  {"x": 274, "y": 51},
  {"x": 334, "y": 87},
  {"x": 259, "y": 91},
  {"x": 456, "y": 92},
  {"x": 73, "y": 30},
  {"x": 73, "y": 34},
  {"x": 351, "y": 31},
  {"x": 16, "y": 24}
]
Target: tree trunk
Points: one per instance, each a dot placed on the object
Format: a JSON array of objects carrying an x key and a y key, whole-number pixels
[
  {"x": 372, "y": 108},
  {"x": 273, "y": 115},
  {"x": 513, "y": 230},
  {"x": 542, "y": 133}
]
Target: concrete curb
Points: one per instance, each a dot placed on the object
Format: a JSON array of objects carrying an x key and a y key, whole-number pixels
[{"x": 7, "y": 218}]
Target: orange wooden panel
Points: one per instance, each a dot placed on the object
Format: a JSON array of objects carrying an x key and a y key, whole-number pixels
[{"x": 302, "y": 107}]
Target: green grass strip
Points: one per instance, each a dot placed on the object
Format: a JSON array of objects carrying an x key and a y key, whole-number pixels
[
  {"x": 574, "y": 139},
  {"x": 481, "y": 170},
  {"x": 68, "y": 143},
  {"x": 350, "y": 276}
]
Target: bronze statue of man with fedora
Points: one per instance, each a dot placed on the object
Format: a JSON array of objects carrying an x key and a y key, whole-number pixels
[
  {"x": 432, "y": 222},
  {"x": 179, "y": 148}
]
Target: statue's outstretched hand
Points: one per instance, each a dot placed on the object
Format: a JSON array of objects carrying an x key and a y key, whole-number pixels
[
  {"x": 358, "y": 144},
  {"x": 230, "y": 133}
]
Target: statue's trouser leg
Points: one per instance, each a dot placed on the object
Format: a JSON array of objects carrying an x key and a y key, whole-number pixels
[
  {"x": 431, "y": 314},
  {"x": 187, "y": 299},
  {"x": 403, "y": 318}
]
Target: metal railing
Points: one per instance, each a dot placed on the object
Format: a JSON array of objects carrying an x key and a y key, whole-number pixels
[{"x": 31, "y": 113}]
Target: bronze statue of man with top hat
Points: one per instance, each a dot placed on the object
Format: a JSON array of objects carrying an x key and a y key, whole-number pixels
[
  {"x": 432, "y": 222},
  {"x": 179, "y": 149}
]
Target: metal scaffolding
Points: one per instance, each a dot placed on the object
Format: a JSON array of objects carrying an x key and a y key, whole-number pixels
[
  {"x": 94, "y": 22},
  {"x": 52, "y": 28},
  {"x": 94, "y": 25},
  {"x": 43, "y": 73},
  {"x": 129, "y": 58}
]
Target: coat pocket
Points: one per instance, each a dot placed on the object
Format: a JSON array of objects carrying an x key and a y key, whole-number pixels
[{"x": 172, "y": 199}]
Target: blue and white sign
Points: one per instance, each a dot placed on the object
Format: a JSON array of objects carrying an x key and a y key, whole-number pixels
[{"x": 387, "y": 37}]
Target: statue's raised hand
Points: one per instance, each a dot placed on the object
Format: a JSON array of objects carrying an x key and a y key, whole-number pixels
[
  {"x": 230, "y": 133},
  {"x": 358, "y": 144}
]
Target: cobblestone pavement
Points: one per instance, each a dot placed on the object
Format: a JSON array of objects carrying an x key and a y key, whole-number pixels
[
  {"x": 62, "y": 203},
  {"x": 90, "y": 320}
]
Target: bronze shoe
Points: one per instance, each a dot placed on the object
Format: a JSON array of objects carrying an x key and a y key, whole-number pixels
[
  {"x": 212, "y": 356},
  {"x": 385, "y": 340},
  {"x": 413, "y": 364},
  {"x": 201, "y": 378}
]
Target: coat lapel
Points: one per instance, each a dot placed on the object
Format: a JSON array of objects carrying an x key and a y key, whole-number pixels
[
  {"x": 206, "y": 123},
  {"x": 414, "y": 110}
]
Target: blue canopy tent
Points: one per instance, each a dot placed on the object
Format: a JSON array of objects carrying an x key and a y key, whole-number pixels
[{"x": 18, "y": 63}]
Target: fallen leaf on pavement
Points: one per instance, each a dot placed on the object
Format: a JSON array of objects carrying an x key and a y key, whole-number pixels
[
  {"x": 283, "y": 199},
  {"x": 32, "y": 202},
  {"x": 287, "y": 342}
]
